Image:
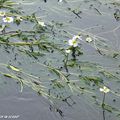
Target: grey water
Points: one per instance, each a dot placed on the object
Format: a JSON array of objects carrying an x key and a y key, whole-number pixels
[{"x": 97, "y": 18}]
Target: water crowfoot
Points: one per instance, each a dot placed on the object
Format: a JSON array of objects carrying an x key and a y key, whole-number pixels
[
  {"x": 67, "y": 68},
  {"x": 68, "y": 51},
  {"x": 89, "y": 39},
  {"x": 105, "y": 89},
  {"x": 41, "y": 23},
  {"x": 60, "y": 0},
  {"x": 19, "y": 18},
  {"x": 74, "y": 41},
  {"x": 8, "y": 19}
]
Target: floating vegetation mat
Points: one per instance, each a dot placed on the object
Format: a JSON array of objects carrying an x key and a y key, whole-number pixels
[{"x": 63, "y": 48}]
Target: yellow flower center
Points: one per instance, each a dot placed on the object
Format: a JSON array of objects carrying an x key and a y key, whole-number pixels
[
  {"x": 74, "y": 41},
  {"x": 7, "y": 18}
]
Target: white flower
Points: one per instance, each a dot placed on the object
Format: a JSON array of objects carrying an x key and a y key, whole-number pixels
[
  {"x": 41, "y": 23},
  {"x": 19, "y": 18},
  {"x": 105, "y": 89},
  {"x": 2, "y": 13},
  {"x": 8, "y": 19},
  {"x": 60, "y": 0},
  {"x": 76, "y": 37},
  {"x": 89, "y": 39},
  {"x": 74, "y": 41},
  {"x": 68, "y": 51}
]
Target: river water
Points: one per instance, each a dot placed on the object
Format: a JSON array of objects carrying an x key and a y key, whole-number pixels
[{"x": 93, "y": 17}]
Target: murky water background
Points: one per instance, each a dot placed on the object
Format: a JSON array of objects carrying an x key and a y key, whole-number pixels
[{"x": 97, "y": 18}]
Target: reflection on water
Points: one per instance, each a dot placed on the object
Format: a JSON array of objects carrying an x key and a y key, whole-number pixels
[{"x": 96, "y": 18}]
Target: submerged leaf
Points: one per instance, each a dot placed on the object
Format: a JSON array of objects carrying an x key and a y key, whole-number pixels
[
  {"x": 13, "y": 68},
  {"x": 94, "y": 79},
  {"x": 110, "y": 108},
  {"x": 8, "y": 75}
]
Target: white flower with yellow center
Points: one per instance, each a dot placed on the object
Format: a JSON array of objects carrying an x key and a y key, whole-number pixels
[
  {"x": 105, "y": 89},
  {"x": 2, "y": 13},
  {"x": 41, "y": 23},
  {"x": 67, "y": 51},
  {"x": 74, "y": 41},
  {"x": 8, "y": 19},
  {"x": 89, "y": 39}
]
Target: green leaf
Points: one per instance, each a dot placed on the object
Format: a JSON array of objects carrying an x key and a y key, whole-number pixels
[
  {"x": 94, "y": 79},
  {"x": 8, "y": 75},
  {"x": 110, "y": 108},
  {"x": 13, "y": 68}
]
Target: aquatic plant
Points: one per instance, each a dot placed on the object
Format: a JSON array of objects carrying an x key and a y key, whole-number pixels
[
  {"x": 65, "y": 76},
  {"x": 8, "y": 19}
]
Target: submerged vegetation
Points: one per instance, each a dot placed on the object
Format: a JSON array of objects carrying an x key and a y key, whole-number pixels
[{"x": 58, "y": 54}]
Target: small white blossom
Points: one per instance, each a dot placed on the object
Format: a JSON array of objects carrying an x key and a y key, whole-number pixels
[
  {"x": 19, "y": 18},
  {"x": 89, "y": 39},
  {"x": 60, "y": 0},
  {"x": 2, "y": 13},
  {"x": 41, "y": 23},
  {"x": 74, "y": 41},
  {"x": 76, "y": 37},
  {"x": 8, "y": 19},
  {"x": 68, "y": 51},
  {"x": 105, "y": 89}
]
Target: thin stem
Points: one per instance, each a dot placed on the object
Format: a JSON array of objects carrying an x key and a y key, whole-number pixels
[
  {"x": 73, "y": 53},
  {"x": 65, "y": 63},
  {"x": 103, "y": 104}
]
